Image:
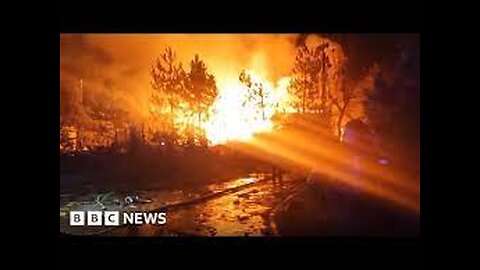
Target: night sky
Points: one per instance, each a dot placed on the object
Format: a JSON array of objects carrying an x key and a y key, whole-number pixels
[{"x": 363, "y": 49}]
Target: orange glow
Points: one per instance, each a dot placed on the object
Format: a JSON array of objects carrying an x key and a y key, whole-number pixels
[
  {"x": 106, "y": 97},
  {"x": 235, "y": 116},
  {"x": 331, "y": 161}
]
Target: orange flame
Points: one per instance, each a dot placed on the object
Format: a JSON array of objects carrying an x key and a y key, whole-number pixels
[{"x": 236, "y": 116}]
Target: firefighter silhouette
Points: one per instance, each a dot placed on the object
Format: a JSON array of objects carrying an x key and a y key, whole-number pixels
[{"x": 277, "y": 174}]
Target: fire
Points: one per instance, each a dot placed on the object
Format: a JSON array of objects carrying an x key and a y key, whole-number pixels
[{"x": 237, "y": 113}]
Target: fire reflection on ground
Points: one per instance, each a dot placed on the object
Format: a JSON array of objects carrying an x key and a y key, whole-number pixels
[{"x": 243, "y": 213}]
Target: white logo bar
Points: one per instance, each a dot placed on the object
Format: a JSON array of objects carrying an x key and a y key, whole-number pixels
[{"x": 112, "y": 218}]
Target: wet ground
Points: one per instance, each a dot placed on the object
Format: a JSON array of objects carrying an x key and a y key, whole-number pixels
[
  {"x": 251, "y": 206},
  {"x": 243, "y": 213},
  {"x": 240, "y": 207}
]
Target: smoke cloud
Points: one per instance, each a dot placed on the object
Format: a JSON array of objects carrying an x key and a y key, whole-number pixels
[{"x": 118, "y": 65}]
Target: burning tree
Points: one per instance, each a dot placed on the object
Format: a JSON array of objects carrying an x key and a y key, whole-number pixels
[
  {"x": 168, "y": 82},
  {"x": 182, "y": 95},
  {"x": 349, "y": 96},
  {"x": 319, "y": 81},
  {"x": 321, "y": 86},
  {"x": 256, "y": 93},
  {"x": 92, "y": 115},
  {"x": 306, "y": 72},
  {"x": 201, "y": 88}
]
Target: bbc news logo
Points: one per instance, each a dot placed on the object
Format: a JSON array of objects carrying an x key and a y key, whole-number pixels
[{"x": 112, "y": 218}]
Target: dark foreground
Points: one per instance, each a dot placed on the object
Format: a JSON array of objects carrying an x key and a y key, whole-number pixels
[
  {"x": 306, "y": 213},
  {"x": 258, "y": 206}
]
